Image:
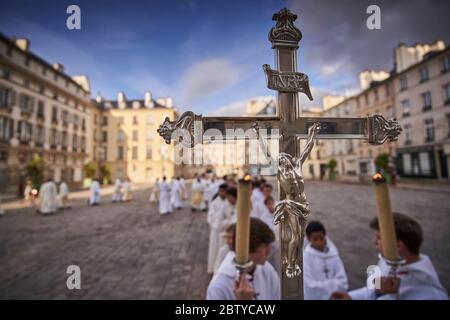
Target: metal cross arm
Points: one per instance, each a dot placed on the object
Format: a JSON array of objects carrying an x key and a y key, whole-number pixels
[{"x": 191, "y": 129}]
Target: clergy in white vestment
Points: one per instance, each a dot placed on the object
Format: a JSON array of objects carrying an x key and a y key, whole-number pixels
[
  {"x": 418, "y": 279},
  {"x": 176, "y": 195},
  {"x": 63, "y": 195},
  {"x": 117, "y": 193},
  {"x": 205, "y": 196},
  {"x": 196, "y": 194},
  {"x": 183, "y": 188},
  {"x": 323, "y": 269},
  {"x": 261, "y": 282},
  {"x": 154, "y": 195},
  {"x": 211, "y": 190},
  {"x": 94, "y": 193},
  {"x": 218, "y": 222},
  {"x": 165, "y": 206},
  {"x": 126, "y": 187},
  {"x": 48, "y": 200},
  {"x": 227, "y": 247}
]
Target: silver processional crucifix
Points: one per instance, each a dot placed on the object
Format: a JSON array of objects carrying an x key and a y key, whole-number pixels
[{"x": 293, "y": 210}]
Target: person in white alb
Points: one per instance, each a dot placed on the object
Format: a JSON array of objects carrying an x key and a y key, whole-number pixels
[
  {"x": 165, "y": 206},
  {"x": 416, "y": 279}
]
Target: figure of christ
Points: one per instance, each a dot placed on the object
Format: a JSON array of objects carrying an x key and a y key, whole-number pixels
[{"x": 293, "y": 211}]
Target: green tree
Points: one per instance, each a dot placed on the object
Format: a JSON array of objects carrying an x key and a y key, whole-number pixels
[
  {"x": 35, "y": 170},
  {"x": 89, "y": 170},
  {"x": 332, "y": 165},
  {"x": 382, "y": 162},
  {"x": 105, "y": 172}
]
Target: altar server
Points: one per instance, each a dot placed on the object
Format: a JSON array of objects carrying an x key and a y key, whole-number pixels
[
  {"x": 94, "y": 197},
  {"x": 48, "y": 200},
  {"x": 165, "y": 206}
]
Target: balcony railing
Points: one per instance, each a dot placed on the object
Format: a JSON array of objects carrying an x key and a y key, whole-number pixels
[{"x": 426, "y": 108}]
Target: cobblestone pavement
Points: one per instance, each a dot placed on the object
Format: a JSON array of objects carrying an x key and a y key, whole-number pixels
[{"x": 128, "y": 251}]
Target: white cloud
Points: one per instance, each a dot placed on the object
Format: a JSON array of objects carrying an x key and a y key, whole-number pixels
[
  {"x": 207, "y": 78},
  {"x": 237, "y": 108}
]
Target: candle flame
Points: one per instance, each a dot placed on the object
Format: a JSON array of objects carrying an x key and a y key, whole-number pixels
[
  {"x": 378, "y": 177},
  {"x": 247, "y": 177}
]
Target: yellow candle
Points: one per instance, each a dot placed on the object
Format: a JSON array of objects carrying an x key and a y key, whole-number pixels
[
  {"x": 243, "y": 220},
  {"x": 385, "y": 218}
]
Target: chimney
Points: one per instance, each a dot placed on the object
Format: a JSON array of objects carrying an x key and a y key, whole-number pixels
[
  {"x": 22, "y": 43},
  {"x": 58, "y": 67},
  {"x": 99, "y": 98},
  {"x": 148, "y": 102},
  {"x": 121, "y": 99},
  {"x": 169, "y": 102}
]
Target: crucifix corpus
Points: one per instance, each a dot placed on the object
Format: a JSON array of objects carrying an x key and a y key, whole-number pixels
[{"x": 293, "y": 209}]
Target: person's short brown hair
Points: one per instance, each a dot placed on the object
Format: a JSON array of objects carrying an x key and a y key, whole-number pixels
[
  {"x": 407, "y": 230},
  {"x": 260, "y": 234},
  {"x": 269, "y": 199}
]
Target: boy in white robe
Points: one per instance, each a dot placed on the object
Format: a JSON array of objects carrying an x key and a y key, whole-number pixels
[
  {"x": 324, "y": 271},
  {"x": 48, "y": 198},
  {"x": 205, "y": 196},
  {"x": 154, "y": 195},
  {"x": 165, "y": 206},
  {"x": 257, "y": 197},
  {"x": 94, "y": 197},
  {"x": 126, "y": 186},
  {"x": 117, "y": 194},
  {"x": 227, "y": 247},
  {"x": 258, "y": 205},
  {"x": 197, "y": 194},
  {"x": 416, "y": 279},
  {"x": 217, "y": 221},
  {"x": 176, "y": 196},
  {"x": 63, "y": 195},
  {"x": 262, "y": 281}
]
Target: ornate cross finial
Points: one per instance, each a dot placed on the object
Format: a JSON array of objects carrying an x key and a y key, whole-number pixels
[{"x": 284, "y": 33}]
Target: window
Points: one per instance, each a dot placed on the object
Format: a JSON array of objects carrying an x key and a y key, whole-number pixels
[
  {"x": 388, "y": 90},
  {"x": 6, "y": 128},
  {"x": 26, "y": 103},
  {"x": 75, "y": 142},
  {"x": 423, "y": 74},
  {"x": 366, "y": 98},
  {"x": 149, "y": 152},
  {"x": 120, "y": 120},
  {"x": 429, "y": 130},
  {"x": 375, "y": 92},
  {"x": 135, "y": 120},
  {"x": 446, "y": 89},
  {"x": 135, "y": 135},
  {"x": 445, "y": 64},
  {"x": 53, "y": 138},
  {"x": 403, "y": 83},
  {"x": 149, "y": 120},
  {"x": 425, "y": 163},
  {"x": 83, "y": 124},
  {"x": 134, "y": 153},
  {"x": 407, "y": 168},
  {"x": 40, "y": 136},
  {"x": 104, "y": 136},
  {"x": 120, "y": 136},
  {"x": 408, "y": 134},
  {"x": 65, "y": 118},
  {"x": 405, "y": 108},
  {"x": 54, "y": 114},
  {"x": 75, "y": 122},
  {"x": 105, "y": 121},
  {"x": 24, "y": 131},
  {"x": 83, "y": 144},
  {"x": 40, "y": 110},
  {"x": 426, "y": 98},
  {"x": 7, "y": 97},
  {"x": 64, "y": 140},
  {"x": 120, "y": 153}
]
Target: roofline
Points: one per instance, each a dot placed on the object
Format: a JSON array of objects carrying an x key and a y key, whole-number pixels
[{"x": 41, "y": 60}]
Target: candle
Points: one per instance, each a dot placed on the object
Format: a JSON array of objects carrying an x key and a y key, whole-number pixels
[
  {"x": 243, "y": 220},
  {"x": 385, "y": 218}
]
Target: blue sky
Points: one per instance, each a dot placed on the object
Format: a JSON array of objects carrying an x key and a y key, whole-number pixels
[{"x": 208, "y": 54}]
